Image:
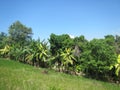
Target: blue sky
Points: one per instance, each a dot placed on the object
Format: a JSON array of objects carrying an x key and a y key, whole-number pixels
[{"x": 91, "y": 18}]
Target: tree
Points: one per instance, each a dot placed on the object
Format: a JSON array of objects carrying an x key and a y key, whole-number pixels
[
  {"x": 81, "y": 49},
  {"x": 81, "y": 45},
  {"x": 110, "y": 40},
  {"x": 81, "y": 42},
  {"x": 19, "y": 33},
  {"x": 3, "y": 39},
  {"x": 58, "y": 42},
  {"x": 117, "y": 44},
  {"x": 100, "y": 57}
]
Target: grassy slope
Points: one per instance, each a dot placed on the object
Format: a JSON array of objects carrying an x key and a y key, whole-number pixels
[{"x": 17, "y": 76}]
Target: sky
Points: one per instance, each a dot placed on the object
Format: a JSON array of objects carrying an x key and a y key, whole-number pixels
[{"x": 91, "y": 18}]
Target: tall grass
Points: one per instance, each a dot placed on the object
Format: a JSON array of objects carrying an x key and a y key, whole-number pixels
[{"x": 18, "y": 76}]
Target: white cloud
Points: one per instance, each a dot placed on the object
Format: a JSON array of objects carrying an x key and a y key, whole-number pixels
[{"x": 71, "y": 36}]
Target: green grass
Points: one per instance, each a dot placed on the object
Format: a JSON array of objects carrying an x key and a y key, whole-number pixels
[{"x": 18, "y": 76}]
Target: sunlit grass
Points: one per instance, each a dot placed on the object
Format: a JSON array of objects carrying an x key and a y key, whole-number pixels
[{"x": 18, "y": 76}]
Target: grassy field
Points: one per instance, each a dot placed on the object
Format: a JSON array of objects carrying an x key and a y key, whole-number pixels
[{"x": 18, "y": 76}]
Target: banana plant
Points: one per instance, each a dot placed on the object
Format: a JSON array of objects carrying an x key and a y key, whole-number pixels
[
  {"x": 30, "y": 56},
  {"x": 55, "y": 62},
  {"x": 41, "y": 54},
  {"x": 117, "y": 66},
  {"x": 15, "y": 52},
  {"x": 67, "y": 58},
  {"x": 5, "y": 51},
  {"x": 31, "y": 53}
]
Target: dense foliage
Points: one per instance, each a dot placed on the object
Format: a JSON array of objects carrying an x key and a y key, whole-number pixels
[{"x": 63, "y": 53}]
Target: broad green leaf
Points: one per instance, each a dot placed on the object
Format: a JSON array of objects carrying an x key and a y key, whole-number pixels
[
  {"x": 118, "y": 59},
  {"x": 111, "y": 67},
  {"x": 116, "y": 65},
  {"x": 117, "y": 71}
]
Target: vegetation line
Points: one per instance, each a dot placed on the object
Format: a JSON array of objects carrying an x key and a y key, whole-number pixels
[{"x": 98, "y": 58}]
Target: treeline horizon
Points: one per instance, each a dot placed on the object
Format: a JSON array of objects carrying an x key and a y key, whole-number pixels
[{"x": 96, "y": 58}]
